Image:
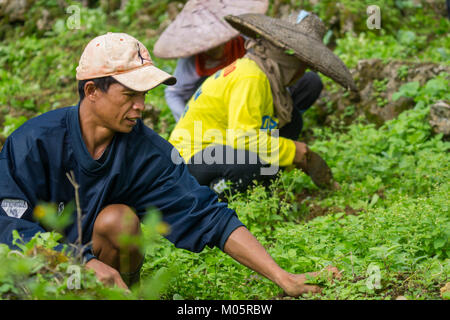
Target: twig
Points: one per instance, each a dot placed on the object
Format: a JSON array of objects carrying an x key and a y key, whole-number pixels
[
  {"x": 351, "y": 260},
  {"x": 16, "y": 252},
  {"x": 80, "y": 249},
  {"x": 76, "y": 186}
]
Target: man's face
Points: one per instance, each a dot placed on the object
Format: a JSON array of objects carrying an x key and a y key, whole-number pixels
[{"x": 119, "y": 108}]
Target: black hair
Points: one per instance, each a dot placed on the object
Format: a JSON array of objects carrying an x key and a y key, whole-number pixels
[{"x": 102, "y": 83}]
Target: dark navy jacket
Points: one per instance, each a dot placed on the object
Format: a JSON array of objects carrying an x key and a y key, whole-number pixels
[{"x": 137, "y": 171}]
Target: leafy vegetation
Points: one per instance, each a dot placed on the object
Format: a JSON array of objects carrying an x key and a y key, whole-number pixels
[{"x": 387, "y": 228}]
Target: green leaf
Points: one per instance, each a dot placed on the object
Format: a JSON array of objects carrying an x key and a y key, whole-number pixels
[
  {"x": 374, "y": 200},
  {"x": 409, "y": 89},
  {"x": 439, "y": 243},
  {"x": 289, "y": 52},
  {"x": 6, "y": 287},
  {"x": 292, "y": 253},
  {"x": 434, "y": 86},
  {"x": 406, "y": 37},
  {"x": 11, "y": 124}
]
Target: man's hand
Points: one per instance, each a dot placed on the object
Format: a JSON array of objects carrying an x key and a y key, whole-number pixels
[
  {"x": 106, "y": 274},
  {"x": 242, "y": 246},
  {"x": 301, "y": 149},
  {"x": 295, "y": 285}
]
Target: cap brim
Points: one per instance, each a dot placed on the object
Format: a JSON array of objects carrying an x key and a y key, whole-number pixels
[{"x": 145, "y": 78}]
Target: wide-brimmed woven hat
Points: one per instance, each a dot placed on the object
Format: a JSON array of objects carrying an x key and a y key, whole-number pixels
[
  {"x": 300, "y": 35},
  {"x": 200, "y": 26}
]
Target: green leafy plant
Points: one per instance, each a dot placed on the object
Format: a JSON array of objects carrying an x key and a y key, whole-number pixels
[
  {"x": 11, "y": 123},
  {"x": 390, "y": 214}
]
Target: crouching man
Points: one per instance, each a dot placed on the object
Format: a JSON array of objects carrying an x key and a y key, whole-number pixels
[{"x": 122, "y": 168}]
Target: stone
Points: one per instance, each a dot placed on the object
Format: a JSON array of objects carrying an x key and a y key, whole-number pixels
[
  {"x": 377, "y": 81},
  {"x": 43, "y": 23},
  {"x": 150, "y": 115},
  {"x": 14, "y": 10},
  {"x": 440, "y": 118}
]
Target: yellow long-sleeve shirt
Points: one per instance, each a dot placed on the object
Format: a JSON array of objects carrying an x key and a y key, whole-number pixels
[{"x": 233, "y": 107}]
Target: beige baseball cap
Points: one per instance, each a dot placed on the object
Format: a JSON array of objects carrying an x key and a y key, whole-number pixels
[{"x": 125, "y": 59}]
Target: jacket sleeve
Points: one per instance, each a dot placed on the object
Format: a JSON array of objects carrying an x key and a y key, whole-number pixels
[
  {"x": 16, "y": 199},
  {"x": 22, "y": 185},
  {"x": 249, "y": 102},
  {"x": 193, "y": 212}
]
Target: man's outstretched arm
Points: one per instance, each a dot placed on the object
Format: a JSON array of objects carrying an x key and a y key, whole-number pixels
[{"x": 242, "y": 246}]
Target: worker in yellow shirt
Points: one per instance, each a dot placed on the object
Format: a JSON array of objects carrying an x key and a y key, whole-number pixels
[
  {"x": 243, "y": 122},
  {"x": 212, "y": 45}
]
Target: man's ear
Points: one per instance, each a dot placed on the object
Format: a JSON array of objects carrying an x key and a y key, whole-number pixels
[{"x": 90, "y": 91}]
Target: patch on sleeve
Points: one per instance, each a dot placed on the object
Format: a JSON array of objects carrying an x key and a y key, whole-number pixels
[
  {"x": 229, "y": 69},
  {"x": 14, "y": 208}
]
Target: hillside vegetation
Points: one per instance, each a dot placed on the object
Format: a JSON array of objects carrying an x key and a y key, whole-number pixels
[{"x": 388, "y": 227}]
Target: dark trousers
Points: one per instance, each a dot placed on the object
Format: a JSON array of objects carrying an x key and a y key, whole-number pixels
[{"x": 241, "y": 174}]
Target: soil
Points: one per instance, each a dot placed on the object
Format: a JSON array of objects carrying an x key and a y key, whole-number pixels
[
  {"x": 377, "y": 81},
  {"x": 150, "y": 116},
  {"x": 316, "y": 210}
]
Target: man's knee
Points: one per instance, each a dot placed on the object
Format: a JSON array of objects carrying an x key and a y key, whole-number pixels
[
  {"x": 115, "y": 220},
  {"x": 109, "y": 247}
]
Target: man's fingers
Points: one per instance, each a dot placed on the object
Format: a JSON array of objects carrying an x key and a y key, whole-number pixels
[
  {"x": 120, "y": 283},
  {"x": 106, "y": 274},
  {"x": 301, "y": 150},
  {"x": 331, "y": 271},
  {"x": 334, "y": 272},
  {"x": 311, "y": 289},
  {"x": 298, "y": 286},
  {"x": 114, "y": 278}
]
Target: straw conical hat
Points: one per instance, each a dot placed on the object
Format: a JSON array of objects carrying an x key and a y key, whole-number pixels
[
  {"x": 300, "y": 34},
  {"x": 200, "y": 26}
]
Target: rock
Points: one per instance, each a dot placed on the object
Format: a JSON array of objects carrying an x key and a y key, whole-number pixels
[
  {"x": 377, "y": 81},
  {"x": 440, "y": 118},
  {"x": 14, "y": 10},
  {"x": 2, "y": 7},
  {"x": 401, "y": 298},
  {"x": 150, "y": 116},
  {"x": 43, "y": 23}
]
